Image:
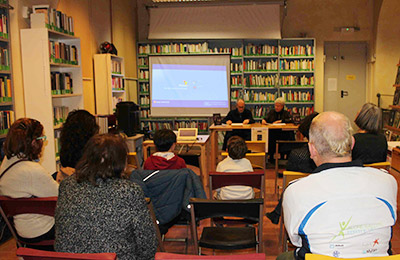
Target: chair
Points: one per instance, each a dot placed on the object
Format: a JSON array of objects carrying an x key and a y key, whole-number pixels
[
  {"x": 284, "y": 146},
  {"x": 324, "y": 257},
  {"x": 133, "y": 160},
  {"x": 253, "y": 179},
  {"x": 10, "y": 207},
  {"x": 153, "y": 217},
  {"x": 165, "y": 256},
  {"x": 227, "y": 238},
  {"x": 379, "y": 165},
  {"x": 288, "y": 176},
  {"x": 34, "y": 254}
]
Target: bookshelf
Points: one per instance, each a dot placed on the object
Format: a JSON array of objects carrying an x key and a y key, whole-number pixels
[
  {"x": 394, "y": 121},
  {"x": 7, "y": 116},
  {"x": 52, "y": 78},
  {"x": 260, "y": 72},
  {"x": 109, "y": 73}
]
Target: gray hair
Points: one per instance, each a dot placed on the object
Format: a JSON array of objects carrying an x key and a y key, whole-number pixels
[
  {"x": 331, "y": 134},
  {"x": 369, "y": 118},
  {"x": 280, "y": 100}
]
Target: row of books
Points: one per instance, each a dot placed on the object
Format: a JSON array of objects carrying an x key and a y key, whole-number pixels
[
  {"x": 259, "y": 81},
  {"x": 6, "y": 120},
  {"x": 63, "y": 53},
  {"x": 153, "y": 126},
  {"x": 202, "y": 126},
  {"x": 5, "y": 89},
  {"x": 143, "y": 74},
  {"x": 117, "y": 83},
  {"x": 298, "y": 50},
  {"x": 260, "y": 111},
  {"x": 3, "y": 26},
  {"x": 145, "y": 100},
  {"x": 54, "y": 19},
  {"x": 262, "y": 49},
  {"x": 236, "y": 67},
  {"x": 236, "y": 80},
  {"x": 303, "y": 111},
  {"x": 297, "y": 96},
  {"x": 143, "y": 62},
  {"x": 102, "y": 122},
  {"x": 259, "y": 65},
  {"x": 144, "y": 87},
  {"x": 254, "y": 96},
  {"x": 144, "y": 113},
  {"x": 57, "y": 145},
  {"x": 116, "y": 67},
  {"x": 174, "y": 48},
  {"x": 61, "y": 83},
  {"x": 4, "y": 59},
  {"x": 303, "y": 64},
  {"x": 115, "y": 101},
  {"x": 60, "y": 114},
  {"x": 292, "y": 80}
]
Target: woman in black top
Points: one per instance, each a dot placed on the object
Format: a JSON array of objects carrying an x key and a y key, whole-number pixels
[{"x": 370, "y": 144}]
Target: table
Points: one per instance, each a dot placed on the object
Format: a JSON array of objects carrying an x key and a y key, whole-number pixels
[
  {"x": 214, "y": 136},
  {"x": 202, "y": 142}
]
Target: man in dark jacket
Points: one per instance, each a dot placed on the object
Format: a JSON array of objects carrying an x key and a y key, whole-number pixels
[{"x": 238, "y": 115}]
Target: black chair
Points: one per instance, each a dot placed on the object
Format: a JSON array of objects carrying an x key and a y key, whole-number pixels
[{"x": 227, "y": 238}]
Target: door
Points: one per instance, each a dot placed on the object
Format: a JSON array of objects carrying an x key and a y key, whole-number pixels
[{"x": 345, "y": 77}]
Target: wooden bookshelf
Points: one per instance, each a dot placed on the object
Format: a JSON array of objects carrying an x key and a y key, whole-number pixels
[
  {"x": 37, "y": 68},
  {"x": 109, "y": 72}
]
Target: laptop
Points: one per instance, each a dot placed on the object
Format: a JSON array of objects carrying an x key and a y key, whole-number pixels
[{"x": 187, "y": 134}]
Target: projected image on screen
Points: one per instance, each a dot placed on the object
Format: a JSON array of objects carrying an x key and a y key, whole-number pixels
[{"x": 189, "y": 85}]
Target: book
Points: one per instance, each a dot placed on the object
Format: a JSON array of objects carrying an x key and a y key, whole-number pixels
[
  {"x": 217, "y": 119},
  {"x": 396, "y": 97}
]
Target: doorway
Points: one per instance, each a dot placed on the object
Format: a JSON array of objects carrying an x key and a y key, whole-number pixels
[{"x": 345, "y": 77}]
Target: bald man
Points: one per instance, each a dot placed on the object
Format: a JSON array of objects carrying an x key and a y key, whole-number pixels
[
  {"x": 343, "y": 209},
  {"x": 238, "y": 115}
]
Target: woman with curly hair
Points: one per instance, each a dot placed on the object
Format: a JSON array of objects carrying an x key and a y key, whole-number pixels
[
  {"x": 79, "y": 127},
  {"x": 98, "y": 210},
  {"x": 21, "y": 176}
]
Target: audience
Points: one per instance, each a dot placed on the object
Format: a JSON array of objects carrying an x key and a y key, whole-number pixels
[
  {"x": 238, "y": 115},
  {"x": 370, "y": 144},
  {"x": 299, "y": 160},
  {"x": 344, "y": 209},
  {"x": 235, "y": 162},
  {"x": 98, "y": 210},
  {"x": 21, "y": 176},
  {"x": 79, "y": 127},
  {"x": 164, "y": 158}
]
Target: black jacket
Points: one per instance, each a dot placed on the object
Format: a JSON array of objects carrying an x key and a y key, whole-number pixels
[
  {"x": 236, "y": 117},
  {"x": 273, "y": 116}
]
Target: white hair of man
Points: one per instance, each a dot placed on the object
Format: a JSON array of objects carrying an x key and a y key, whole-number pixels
[
  {"x": 280, "y": 100},
  {"x": 239, "y": 100},
  {"x": 331, "y": 134}
]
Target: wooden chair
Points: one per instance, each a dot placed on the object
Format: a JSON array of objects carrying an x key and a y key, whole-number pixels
[
  {"x": 133, "y": 160},
  {"x": 253, "y": 179},
  {"x": 227, "y": 238},
  {"x": 258, "y": 160},
  {"x": 153, "y": 217},
  {"x": 34, "y": 254},
  {"x": 165, "y": 256},
  {"x": 379, "y": 165},
  {"x": 324, "y": 257},
  {"x": 10, "y": 207},
  {"x": 284, "y": 145},
  {"x": 288, "y": 176}
]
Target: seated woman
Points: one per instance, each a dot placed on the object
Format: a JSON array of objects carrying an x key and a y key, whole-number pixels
[
  {"x": 79, "y": 127},
  {"x": 21, "y": 176},
  {"x": 370, "y": 144},
  {"x": 98, "y": 210}
]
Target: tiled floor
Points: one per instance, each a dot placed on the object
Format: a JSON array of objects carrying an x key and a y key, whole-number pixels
[{"x": 270, "y": 233}]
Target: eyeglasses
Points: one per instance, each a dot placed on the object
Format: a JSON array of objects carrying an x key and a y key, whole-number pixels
[{"x": 43, "y": 138}]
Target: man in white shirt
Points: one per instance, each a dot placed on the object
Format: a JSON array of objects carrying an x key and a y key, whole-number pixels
[{"x": 344, "y": 209}]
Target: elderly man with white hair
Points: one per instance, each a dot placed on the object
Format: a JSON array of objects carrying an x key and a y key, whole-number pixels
[
  {"x": 343, "y": 210},
  {"x": 277, "y": 115}
]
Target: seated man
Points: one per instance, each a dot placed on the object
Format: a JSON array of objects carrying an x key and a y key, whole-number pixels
[
  {"x": 238, "y": 115},
  {"x": 343, "y": 209},
  {"x": 164, "y": 158},
  {"x": 276, "y": 116}
]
